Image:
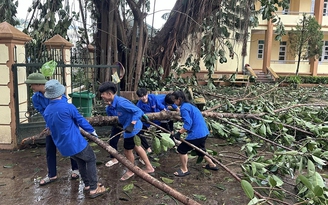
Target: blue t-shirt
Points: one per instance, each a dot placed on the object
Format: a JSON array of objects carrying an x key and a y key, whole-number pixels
[
  {"x": 193, "y": 122},
  {"x": 64, "y": 121},
  {"x": 153, "y": 105},
  {"x": 127, "y": 112},
  {"x": 161, "y": 99}
]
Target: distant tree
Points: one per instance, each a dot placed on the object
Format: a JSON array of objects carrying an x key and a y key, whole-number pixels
[
  {"x": 305, "y": 41},
  {"x": 47, "y": 19},
  {"x": 8, "y": 11}
]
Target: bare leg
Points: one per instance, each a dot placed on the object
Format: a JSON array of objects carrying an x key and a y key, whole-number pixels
[
  {"x": 184, "y": 163},
  {"x": 209, "y": 161},
  {"x": 129, "y": 155},
  {"x": 141, "y": 152}
]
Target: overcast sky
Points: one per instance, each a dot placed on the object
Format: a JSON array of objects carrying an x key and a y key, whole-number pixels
[{"x": 162, "y": 6}]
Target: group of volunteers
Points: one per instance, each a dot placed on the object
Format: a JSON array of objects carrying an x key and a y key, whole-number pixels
[{"x": 64, "y": 122}]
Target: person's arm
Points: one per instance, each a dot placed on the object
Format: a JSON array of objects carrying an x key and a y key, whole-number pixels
[
  {"x": 80, "y": 120},
  {"x": 37, "y": 104}
]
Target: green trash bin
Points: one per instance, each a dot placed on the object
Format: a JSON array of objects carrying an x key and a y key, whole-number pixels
[{"x": 83, "y": 102}]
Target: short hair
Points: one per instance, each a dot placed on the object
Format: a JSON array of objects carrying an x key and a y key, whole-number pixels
[
  {"x": 108, "y": 86},
  {"x": 180, "y": 95},
  {"x": 168, "y": 99},
  {"x": 142, "y": 92}
]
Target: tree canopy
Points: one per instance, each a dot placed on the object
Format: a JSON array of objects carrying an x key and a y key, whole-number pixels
[{"x": 117, "y": 29}]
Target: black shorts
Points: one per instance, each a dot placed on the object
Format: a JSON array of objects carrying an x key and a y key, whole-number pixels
[
  {"x": 129, "y": 143},
  {"x": 183, "y": 148}
]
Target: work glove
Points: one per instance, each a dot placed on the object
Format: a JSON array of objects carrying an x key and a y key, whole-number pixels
[
  {"x": 94, "y": 134},
  {"x": 177, "y": 135},
  {"x": 129, "y": 128},
  {"x": 145, "y": 118}
]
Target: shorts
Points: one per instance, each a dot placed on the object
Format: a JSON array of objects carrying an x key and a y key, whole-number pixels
[
  {"x": 129, "y": 143},
  {"x": 184, "y": 148}
]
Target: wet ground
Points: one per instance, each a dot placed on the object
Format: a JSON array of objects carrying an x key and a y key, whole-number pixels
[{"x": 21, "y": 170}]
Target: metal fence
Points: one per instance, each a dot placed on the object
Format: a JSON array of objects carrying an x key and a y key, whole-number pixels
[{"x": 28, "y": 120}]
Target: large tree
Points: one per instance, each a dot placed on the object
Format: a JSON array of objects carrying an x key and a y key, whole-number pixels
[{"x": 123, "y": 36}]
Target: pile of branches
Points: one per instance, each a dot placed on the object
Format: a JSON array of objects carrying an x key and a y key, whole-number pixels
[
  {"x": 283, "y": 131},
  {"x": 289, "y": 123}
]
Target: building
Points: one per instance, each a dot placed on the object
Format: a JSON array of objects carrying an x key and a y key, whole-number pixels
[{"x": 266, "y": 52}]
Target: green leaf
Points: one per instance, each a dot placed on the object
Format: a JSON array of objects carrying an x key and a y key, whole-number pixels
[
  {"x": 156, "y": 145},
  {"x": 167, "y": 180},
  {"x": 318, "y": 191},
  {"x": 200, "y": 197},
  {"x": 166, "y": 140},
  {"x": 305, "y": 181},
  {"x": 318, "y": 160},
  {"x": 137, "y": 140},
  {"x": 272, "y": 182},
  {"x": 310, "y": 168},
  {"x": 318, "y": 181},
  {"x": 279, "y": 182},
  {"x": 128, "y": 187},
  {"x": 248, "y": 189}
]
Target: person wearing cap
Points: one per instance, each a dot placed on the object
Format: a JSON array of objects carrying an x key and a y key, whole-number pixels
[
  {"x": 40, "y": 102},
  {"x": 129, "y": 115},
  {"x": 64, "y": 122}
]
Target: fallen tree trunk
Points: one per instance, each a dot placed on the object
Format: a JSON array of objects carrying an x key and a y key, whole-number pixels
[{"x": 135, "y": 169}]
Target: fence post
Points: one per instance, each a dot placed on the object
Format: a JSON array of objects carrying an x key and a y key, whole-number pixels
[
  {"x": 12, "y": 42},
  {"x": 60, "y": 49}
]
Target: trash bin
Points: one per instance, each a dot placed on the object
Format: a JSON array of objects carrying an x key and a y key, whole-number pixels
[{"x": 83, "y": 102}]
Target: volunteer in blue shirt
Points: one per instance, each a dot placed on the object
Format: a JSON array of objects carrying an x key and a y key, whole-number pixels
[
  {"x": 64, "y": 122},
  {"x": 195, "y": 126},
  {"x": 40, "y": 102},
  {"x": 129, "y": 116},
  {"x": 148, "y": 103}
]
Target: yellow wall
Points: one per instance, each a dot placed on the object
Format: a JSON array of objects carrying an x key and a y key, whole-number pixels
[
  {"x": 229, "y": 67},
  {"x": 305, "y": 6},
  {"x": 255, "y": 62}
]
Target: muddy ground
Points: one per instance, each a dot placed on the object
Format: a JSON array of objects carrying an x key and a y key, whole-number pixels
[{"x": 21, "y": 170}]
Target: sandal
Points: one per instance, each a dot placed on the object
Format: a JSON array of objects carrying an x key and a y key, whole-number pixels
[
  {"x": 47, "y": 180},
  {"x": 180, "y": 173},
  {"x": 75, "y": 174},
  {"x": 125, "y": 177},
  {"x": 99, "y": 191},
  {"x": 87, "y": 188},
  {"x": 110, "y": 163},
  {"x": 216, "y": 168}
]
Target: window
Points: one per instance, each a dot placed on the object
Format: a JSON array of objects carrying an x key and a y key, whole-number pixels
[
  {"x": 324, "y": 56},
  {"x": 312, "y": 6},
  {"x": 325, "y": 8},
  {"x": 260, "y": 49},
  {"x": 282, "y": 51}
]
